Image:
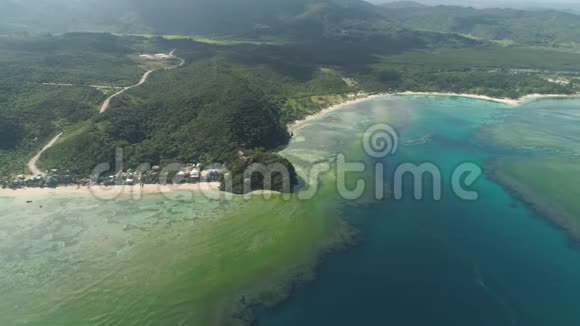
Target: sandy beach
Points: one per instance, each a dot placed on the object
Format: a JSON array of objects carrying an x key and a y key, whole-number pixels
[
  {"x": 533, "y": 97},
  {"x": 508, "y": 101},
  {"x": 296, "y": 124},
  {"x": 104, "y": 191}
]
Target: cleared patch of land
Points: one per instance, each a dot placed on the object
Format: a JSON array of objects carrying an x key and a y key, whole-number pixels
[{"x": 207, "y": 40}]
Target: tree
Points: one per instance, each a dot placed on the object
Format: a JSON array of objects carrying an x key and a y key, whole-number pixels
[{"x": 10, "y": 133}]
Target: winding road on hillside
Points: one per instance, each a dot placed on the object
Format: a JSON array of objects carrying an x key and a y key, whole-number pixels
[
  {"x": 103, "y": 108},
  {"x": 32, "y": 164},
  {"x": 107, "y": 102},
  {"x": 143, "y": 80}
]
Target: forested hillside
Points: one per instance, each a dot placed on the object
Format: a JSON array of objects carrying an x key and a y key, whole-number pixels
[
  {"x": 526, "y": 27},
  {"x": 199, "y": 114},
  {"x": 286, "y": 19},
  {"x": 251, "y": 19},
  {"x": 176, "y": 16},
  {"x": 32, "y": 111},
  {"x": 232, "y": 100},
  {"x": 227, "y": 97}
]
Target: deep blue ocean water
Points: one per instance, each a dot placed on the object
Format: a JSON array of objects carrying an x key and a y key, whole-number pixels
[{"x": 490, "y": 262}]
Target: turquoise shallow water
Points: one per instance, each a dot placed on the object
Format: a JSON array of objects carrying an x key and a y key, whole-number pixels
[{"x": 450, "y": 262}]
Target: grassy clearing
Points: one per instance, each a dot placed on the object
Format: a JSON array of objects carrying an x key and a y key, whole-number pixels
[
  {"x": 206, "y": 40},
  {"x": 502, "y": 42}
]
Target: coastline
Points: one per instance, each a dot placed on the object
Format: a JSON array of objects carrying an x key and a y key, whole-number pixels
[
  {"x": 291, "y": 126},
  {"x": 211, "y": 189},
  {"x": 507, "y": 101},
  {"x": 111, "y": 190},
  {"x": 358, "y": 99}
]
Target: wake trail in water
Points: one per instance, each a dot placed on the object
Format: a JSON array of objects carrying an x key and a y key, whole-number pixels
[
  {"x": 478, "y": 276},
  {"x": 480, "y": 280}
]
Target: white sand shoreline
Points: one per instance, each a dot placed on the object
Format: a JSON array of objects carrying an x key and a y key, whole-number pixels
[
  {"x": 106, "y": 191},
  {"x": 211, "y": 189},
  {"x": 508, "y": 101},
  {"x": 298, "y": 123}
]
